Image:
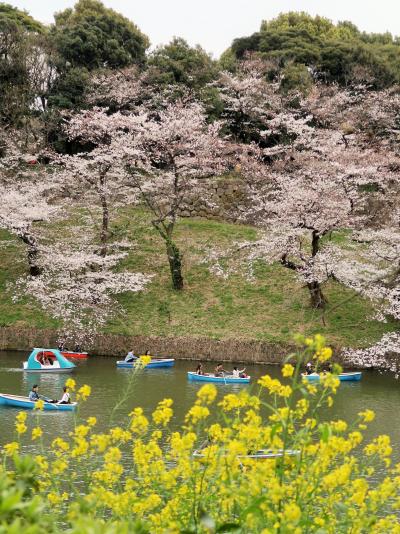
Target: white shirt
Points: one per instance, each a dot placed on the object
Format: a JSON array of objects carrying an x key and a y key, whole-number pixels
[
  {"x": 65, "y": 398},
  {"x": 236, "y": 373}
]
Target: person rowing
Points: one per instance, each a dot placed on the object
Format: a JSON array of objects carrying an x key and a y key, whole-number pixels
[
  {"x": 34, "y": 395},
  {"x": 219, "y": 370},
  {"x": 130, "y": 357}
]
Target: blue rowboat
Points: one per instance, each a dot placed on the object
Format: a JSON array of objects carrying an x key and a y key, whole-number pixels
[
  {"x": 154, "y": 364},
  {"x": 343, "y": 377},
  {"x": 47, "y": 361},
  {"x": 219, "y": 379},
  {"x": 18, "y": 401}
]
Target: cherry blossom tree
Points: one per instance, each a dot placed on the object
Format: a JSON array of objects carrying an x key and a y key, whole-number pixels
[
  {"x": 306, "y": 189},
  {"x": 26, "y": 201},
  {"x": 76, "y": 287},
  {"x": 169, "y": 153},
  {"x": 96, "y": 174},
  {"x": 376, "y": 275}
]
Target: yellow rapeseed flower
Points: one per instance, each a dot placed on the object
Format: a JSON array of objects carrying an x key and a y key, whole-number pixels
[
  {"x": 21, "y": 417},
  {"x": 323, "y": 354},
  {"x": 287, "y": 370},
  {"x": 197, "y": 413},
  {"x": 11, "y": 448},
  {"x": 36, "y": 432},
  {"x": 84, "y": 392},
  {"x": 70, "y": 383},
  {"x": 57, "y": 498},
  {"x": 21, "y": 428},
  {"x": 39, "y": 405},
  {"x": 291, "y": 513},
  {"x": 91, "y": 421},
  {"x": 145, "y": 360},
  {"x": 367, "y": 416},
  {"x": 163, "y": 413},
  {"x": 207, "y": 393},
  {"x": 139, "y": 422}
]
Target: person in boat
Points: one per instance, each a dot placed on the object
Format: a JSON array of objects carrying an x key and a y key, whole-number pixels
[
  {"x": 34, "y": 395},
  {"x": 66, "y": 398},
  {"x": 61, "y": 346},
  {"x": 147, "y": 353},
  {"x": 199, "y": 369},
  {"x": 309, "y": 368},
  {"x": 46, "y": 360},
  {"x": 236, "y": 373},
  {"x": 219, "y": 370},
  {"x": 130, "y": 357},
  {"x": 77, "y": 348}
]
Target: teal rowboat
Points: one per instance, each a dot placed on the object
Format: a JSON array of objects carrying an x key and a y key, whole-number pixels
[
  {"x": 229, "y": 379},
  {"x": 343, "y": 377},
  {"x": 24, "y": 403}
]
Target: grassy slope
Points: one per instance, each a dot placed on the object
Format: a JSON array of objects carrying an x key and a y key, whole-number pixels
[{"x": 272, "y": 308}]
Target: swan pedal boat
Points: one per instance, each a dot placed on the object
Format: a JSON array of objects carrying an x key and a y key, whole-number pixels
[
  {"x": 18, "y": 401},
  {"x": 262, "y": 454},
  {"x": 229, "y": 379},
  {"x": 154, "y": 364},
  {"x": 58, "y": 364},
  {"x": 343, "y": 377}
]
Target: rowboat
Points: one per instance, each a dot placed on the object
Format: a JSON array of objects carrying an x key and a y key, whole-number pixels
[
  {"x": 229, "y": 379},
  {"x": 343, "y": 377},
  {"x": 262, "y": 454},
  {"x": 70, "y": 354},
  {"x": 18, "y": 401},
  {"x": 47, "y": 361},
  {"x": 154, "y": 364}
]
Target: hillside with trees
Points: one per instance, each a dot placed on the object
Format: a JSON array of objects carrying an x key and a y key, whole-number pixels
[{"x": 110, "y": 160}]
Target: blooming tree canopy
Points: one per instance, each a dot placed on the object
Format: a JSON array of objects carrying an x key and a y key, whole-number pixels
[{"x": 169, "y": 152}]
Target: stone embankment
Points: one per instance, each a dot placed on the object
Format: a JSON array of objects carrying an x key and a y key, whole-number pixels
[
  {"x": 221, "y": 199},
  {"x": 181, "y": 348}
]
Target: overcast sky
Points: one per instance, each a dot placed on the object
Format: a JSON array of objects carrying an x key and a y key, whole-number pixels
[{"x": 215, "y": 23}]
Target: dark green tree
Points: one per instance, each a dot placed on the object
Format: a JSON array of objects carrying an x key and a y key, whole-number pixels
[
  {"x": 179, "y": 63},
  {"x": 92, "y": 36},
  {"x": 18, "y": 30}
]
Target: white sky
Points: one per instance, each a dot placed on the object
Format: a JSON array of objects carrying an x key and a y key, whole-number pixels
[{"x": 215, "y": 23}]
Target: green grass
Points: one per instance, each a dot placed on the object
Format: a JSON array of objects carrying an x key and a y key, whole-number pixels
[{"x": 272, "y": 308}]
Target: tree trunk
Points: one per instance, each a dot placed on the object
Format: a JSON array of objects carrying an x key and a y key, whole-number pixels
[
  {"x": 175, "y": 265},
  {"x": 30, "y": 241},
  {"x": 318, "y": 299}
]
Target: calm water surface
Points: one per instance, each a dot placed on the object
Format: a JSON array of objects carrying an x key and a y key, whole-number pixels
[{"x": 380, "y": 393}]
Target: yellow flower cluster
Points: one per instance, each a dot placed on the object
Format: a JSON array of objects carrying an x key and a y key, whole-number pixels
[
  {"x": 274, "y": 386},
  {"x": 20, "y": 425},
  {"x": 163, "y": 413}
]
